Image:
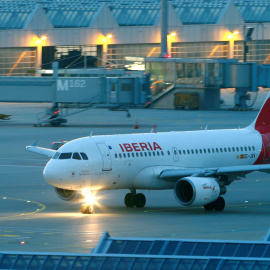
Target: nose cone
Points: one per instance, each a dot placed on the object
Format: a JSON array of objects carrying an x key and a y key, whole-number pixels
[{"x": 50, "y": 173}]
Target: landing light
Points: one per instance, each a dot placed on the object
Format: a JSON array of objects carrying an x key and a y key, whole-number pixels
[{"x": 90, "y": 196}]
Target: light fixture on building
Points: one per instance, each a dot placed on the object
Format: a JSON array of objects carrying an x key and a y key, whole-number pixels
[
  {"x": 40, "y": 39},
  {"x": 173, "y": 34},
  {"x": 109, "y": 36}
]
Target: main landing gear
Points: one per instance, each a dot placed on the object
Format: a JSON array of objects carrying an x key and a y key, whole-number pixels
[
  {"x": 218, "y": 205},
  {"x": 132, "y": 199}
]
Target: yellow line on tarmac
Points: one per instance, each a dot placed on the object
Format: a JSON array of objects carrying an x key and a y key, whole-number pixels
[
  {"x": 23, "y": 214},
  {"x": 8, "y": 235}
]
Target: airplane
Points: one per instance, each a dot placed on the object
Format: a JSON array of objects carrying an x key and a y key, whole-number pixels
[{"x": 197, "y": 165}]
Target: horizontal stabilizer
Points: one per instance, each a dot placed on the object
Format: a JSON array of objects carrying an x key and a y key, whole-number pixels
[
  {"x": 40, "y": 150},
  {"x": 173, "y": 175}
]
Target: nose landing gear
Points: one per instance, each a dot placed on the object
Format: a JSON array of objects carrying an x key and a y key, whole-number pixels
[
  {"x": 88, "y": 207},
  {"x": 132, "y": 199}
]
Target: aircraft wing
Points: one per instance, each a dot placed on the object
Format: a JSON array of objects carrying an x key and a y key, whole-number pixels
[
  {"x": 40, "y": 150},
  {"x": 173, "y": 175}
]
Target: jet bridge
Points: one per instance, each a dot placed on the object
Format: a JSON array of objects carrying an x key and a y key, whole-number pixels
[
  {"x": 205, "y": 77},
  {"x": 102, "y": 88}
]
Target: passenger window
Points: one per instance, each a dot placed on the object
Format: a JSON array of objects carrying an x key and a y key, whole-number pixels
[
  {"x": 84, "y": 156},
  {"x": 154, "y": 153},
  {"x": 245, "y": 148},
  {"x": 217, "y": 150},
  {"x": 204, "y": 150},
  {"x": 115, "y": 155},
  {"x": 184, "y": 152},
  {"x": 192, "y": 152},
  {"x": 229, "y": 149},
  {"x": 213, "y": 150},
  {"x": 162, "y": 153},
  {"x": 133, "y": 155},
  {"x": 221, "y": 150},
  {"x": 120, "y": 155},
  {"x": 56, "y": 155},
  {"x": 196, "y": 150},
  {"x": 225, "y": 149},
  {"x": 233, "y": 149},
  {"x": 179, "y": 152},
  {"x": 124, "y": 155},
  {"x": 76, "y": 156},
  {"x": 253, "y": 148},
  {"x": 168, "y": 153},
  {"x": 209, "y": 150},
  {"x": 241, "y": 148},
  {"x": 200, "y": 151},
  {"x": 175, "y": 152},
  {"x": 188, "y": 151},
  {"x": 137, "y": 154},
  {"x": 141, "y": 154},
  {"x": 237, "y": 149},
  {"x": 145, "y": 154},
  {"x": 249, "y": 148},
  {"x": 65, "y": 156},
  {"x": 149, "y": 154},
  {"x": 128, "y": 154},
  {"x": 158, "y": 153}
]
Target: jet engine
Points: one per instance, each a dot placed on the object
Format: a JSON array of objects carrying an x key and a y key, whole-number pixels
[
  {"x": 68, "y": 195},
  {"x": 196, "y": 191}
]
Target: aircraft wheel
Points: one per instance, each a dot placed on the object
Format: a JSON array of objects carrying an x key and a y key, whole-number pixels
[
  {"x": 209, "y": 206},
  {"x": 139, "y": 200},
  {"x": 87, "y": 209},
  {"x": 129, "y": 200},
  {"x": 219, "y": 204}
]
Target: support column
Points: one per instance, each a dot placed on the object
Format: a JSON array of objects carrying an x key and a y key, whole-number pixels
[
  {"x": 164, "y": 28},
  {"x": 38, "y": 58},
  {"x": 231, "y": 49},
  {"x": 104, "y": 54}
]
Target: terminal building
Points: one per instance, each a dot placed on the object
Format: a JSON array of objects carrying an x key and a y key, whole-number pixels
[
  {"x": 94, "y": 33},
  {"x": 195, "y": 46}
]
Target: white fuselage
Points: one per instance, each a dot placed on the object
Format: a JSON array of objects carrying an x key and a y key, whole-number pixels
[{"x": 135, "y": 161}]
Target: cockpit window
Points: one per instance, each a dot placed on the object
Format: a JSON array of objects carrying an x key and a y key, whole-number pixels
[
  {"x": 65, "y": 156},
  {"x": 84, "y": 156},
  {"x": 56, "y": 155},
  {"x": 76, "y": 156}
]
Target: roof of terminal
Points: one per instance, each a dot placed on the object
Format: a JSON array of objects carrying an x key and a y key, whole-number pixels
[{"x": 14, "y": 14}]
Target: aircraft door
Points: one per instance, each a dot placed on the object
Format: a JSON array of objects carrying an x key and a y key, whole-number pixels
[
  {"x": 175, "y": 154},
  {"x": 106, "y": 156}
]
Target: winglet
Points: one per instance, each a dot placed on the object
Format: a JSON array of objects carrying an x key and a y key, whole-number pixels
[{"x": 34, "y": 143}]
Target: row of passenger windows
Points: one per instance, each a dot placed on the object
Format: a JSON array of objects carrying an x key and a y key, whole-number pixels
[
  {"x": 76, "y": 155},
  {"x": 216, "y": 150},
  {"x": 184, "y": 152}
]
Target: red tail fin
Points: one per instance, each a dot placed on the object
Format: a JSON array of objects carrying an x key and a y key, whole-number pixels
[{"x": 262, "y": 122}]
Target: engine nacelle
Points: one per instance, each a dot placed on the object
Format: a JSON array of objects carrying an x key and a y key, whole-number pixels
[
  {"x": 68, "y": 195},
  {"x": 196, "y": 191}
]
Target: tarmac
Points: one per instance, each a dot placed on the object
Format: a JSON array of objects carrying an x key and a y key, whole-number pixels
[{"x": 33, "y": 218}]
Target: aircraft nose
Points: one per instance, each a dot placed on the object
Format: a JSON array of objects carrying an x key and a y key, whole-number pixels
[{"x": 49, "y": 173}]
